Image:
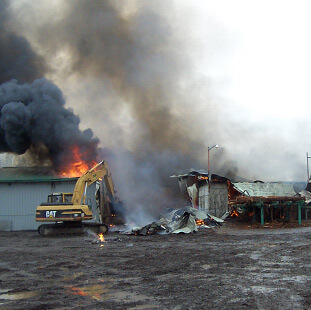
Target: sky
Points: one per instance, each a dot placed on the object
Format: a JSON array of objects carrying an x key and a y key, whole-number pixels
[
  {"x": 268, "y": 55},
  {"x": 166, "y": 80},
  {"x": 262, "y": 75}
]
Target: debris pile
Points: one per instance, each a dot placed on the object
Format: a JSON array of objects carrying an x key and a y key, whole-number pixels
[{"x": 185, "y": 220}]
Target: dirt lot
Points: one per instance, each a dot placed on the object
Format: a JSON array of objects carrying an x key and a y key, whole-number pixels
[{"x": 225, "y": 268}]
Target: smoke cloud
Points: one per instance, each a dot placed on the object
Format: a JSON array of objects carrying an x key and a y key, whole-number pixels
[
  {"x": 33, "y": 117},
  {"x": 17, "y": 59},
  {"x": 126, "y": 68},
  {"x": 132, "y": 73}
]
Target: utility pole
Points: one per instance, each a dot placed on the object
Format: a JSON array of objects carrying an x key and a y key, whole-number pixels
[
  {"x": 209, "y": 177},
  {"x": 308, "y": 175}
]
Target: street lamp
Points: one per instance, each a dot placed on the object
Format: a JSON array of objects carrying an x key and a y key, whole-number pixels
[
  {"x": 209, "y": 178},
  {"x": 208, "y": 162}
]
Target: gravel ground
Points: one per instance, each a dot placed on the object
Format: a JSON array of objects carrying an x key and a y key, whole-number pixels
[{"x": 230, "y": 267}]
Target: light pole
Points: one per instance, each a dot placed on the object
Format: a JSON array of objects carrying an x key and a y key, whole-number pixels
[
  {"x": 208, "y": 161},
  {"x": 209, "y": 177},
  {"x": 308, "y": 175}
]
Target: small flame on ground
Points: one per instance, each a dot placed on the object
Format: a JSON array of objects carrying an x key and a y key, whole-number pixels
[
  {"x": 94, "y": 291},
  {"x": 101, "y": 237},
  {"x": 78, "y": 291}
]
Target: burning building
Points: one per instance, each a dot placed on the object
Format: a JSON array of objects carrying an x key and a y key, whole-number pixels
[
  {"x": 211, "y": 197},
  {"x": 257, "y": 200}
]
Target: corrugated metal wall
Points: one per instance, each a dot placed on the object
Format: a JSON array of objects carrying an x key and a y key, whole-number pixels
[
  {"x": 218, "y": 203},
  {"x": 203, "y": 198},
  {"x": 18, "y": 202}
]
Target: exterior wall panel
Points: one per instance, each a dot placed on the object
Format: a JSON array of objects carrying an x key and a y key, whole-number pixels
[
  {"x": 203, "y": 198},
  {"x": 18, "y": 201},
  {"x": 217, "y": 205}
]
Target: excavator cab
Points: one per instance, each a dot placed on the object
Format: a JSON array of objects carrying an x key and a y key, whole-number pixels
[{"x": 59, "y": 197}]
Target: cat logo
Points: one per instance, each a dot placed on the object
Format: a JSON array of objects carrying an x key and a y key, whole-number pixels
[{"x": 50, "y": 214}]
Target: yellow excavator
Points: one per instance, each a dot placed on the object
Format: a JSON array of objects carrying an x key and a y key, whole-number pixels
[{"x": 68, "y": 211}]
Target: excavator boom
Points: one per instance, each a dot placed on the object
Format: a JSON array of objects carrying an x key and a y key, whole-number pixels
[{"x": 96, "y": 173}]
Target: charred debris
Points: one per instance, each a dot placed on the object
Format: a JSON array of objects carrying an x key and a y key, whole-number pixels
[
  {"x": 184, "y": 220},
  {"x": 255, "y": 202},
  {"x": 210, "y": 202}
]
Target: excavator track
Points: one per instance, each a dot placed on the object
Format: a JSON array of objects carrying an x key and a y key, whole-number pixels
[{"x": 69, "y": 229}]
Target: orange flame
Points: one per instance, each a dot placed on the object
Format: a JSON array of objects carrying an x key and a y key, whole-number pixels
[
  {"x": 101, "y": 237},
  {"x": 234, "y": 213},
  {"x": 78, "y": 291},
  {"x": 77, "y": 166},
  {"x": 199, "y": 222}
]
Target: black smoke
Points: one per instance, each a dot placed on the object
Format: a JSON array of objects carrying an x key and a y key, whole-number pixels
[
  {"x": 33, "y": 118},
  {"x": 134, "y": 61},
  {"x": 137, "y": 54}
]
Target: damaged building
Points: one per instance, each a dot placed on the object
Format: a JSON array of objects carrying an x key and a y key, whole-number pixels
[
  {"x": 266, "y": 201},
  {"x": 210, "y": 197},
  {"x": 261, "y": 201}
]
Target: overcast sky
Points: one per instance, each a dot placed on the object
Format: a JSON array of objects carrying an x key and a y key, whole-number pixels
[{"x": 262, "y": 71}]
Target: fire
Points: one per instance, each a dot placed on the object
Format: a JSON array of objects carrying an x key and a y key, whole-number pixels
[
  {"x": 93, "y": 291},
  {"x": 234, "y": 213},
  {"x": 77, "y": 165},
  {"x": 101, "y": 237},
  {"x": 78, "y": 291},
  {"x": 199, "y": 222}
]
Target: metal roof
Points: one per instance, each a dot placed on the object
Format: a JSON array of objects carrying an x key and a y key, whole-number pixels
[
  {"x": 260, "y": 189},
  {"x": 191, "y": 173},
  {"x": 29, "y": 174}
]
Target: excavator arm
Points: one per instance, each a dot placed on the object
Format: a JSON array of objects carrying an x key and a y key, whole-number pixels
[{"x": 101, "y": 170}]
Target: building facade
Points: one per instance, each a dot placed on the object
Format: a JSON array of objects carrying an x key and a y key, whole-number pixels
[
  {"x": 210, "y": 197},
  {"x": 22, "y": 190}
]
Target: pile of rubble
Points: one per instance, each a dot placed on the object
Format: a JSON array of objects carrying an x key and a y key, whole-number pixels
[{"x": 185, "y": 220}]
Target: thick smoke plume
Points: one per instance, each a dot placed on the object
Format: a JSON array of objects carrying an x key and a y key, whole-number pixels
[
  {"x": 33, "y": 117},
  {"x": 132, "y": 73},
  {"x": 134, "y": 56}
]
